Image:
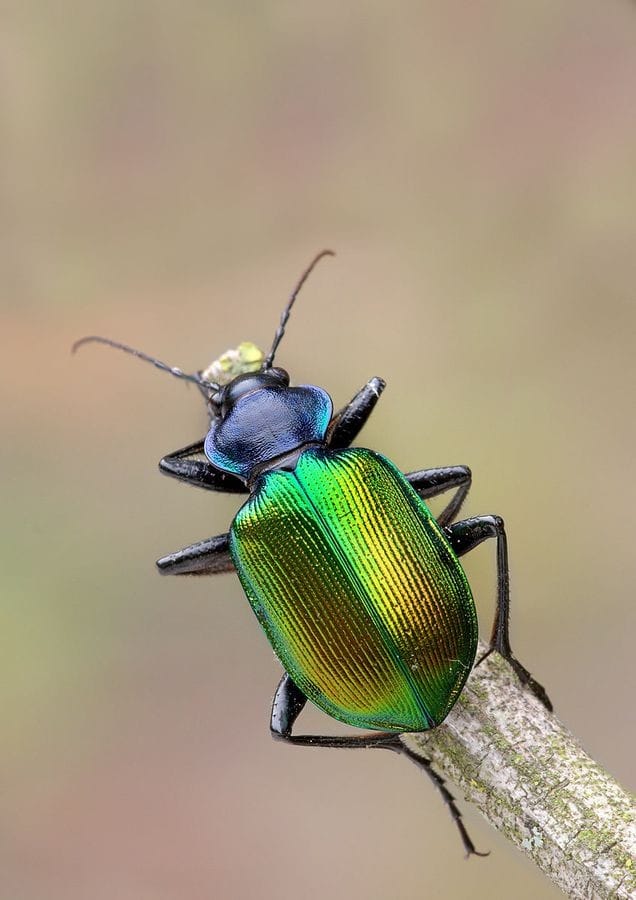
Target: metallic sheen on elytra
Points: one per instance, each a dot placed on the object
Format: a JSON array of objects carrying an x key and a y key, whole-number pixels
[{"x": 357, "y": 589}]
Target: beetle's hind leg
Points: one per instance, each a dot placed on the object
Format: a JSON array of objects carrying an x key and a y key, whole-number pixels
[
  {"x": 426, "y": 765},
  {"x": 465, "y": 536},
  {"x": 289, "y": 702}
]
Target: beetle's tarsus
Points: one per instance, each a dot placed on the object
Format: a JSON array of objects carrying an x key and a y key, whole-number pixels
[
  {"x": 528, "y": 681},
  {"x": 448, "y": 798},
  {"x": 484, "y": 656},
  {"x": 474, "y": 852},
  {"x": 523, "y": 675}
]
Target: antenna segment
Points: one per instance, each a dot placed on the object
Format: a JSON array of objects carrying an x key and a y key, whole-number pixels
[{"x": 280, "y": 331}]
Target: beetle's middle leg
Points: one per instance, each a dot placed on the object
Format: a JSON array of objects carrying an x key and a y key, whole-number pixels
[
  {"x": 289, "y": 702},
  {"x": 432, "y": 482},
  {"x": 209, "y": 557},
  {"x": 348, "y": 422},
  {"x": 465, "y": 536}
]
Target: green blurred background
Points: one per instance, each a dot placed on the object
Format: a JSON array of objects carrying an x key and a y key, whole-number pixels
[{"x": 166, "y": 172}]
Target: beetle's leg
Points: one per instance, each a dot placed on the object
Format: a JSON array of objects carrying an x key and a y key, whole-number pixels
[
  {"x": 203, "y": 558},
  {"x": 289, "y": 702},
  {"x": 349, "y": 421},
  {"x": 448, "y": 799},
  {"x": 431, "y": 482},
  {"x": 466, "y": 535},
  {"x": 182, "y": 464}
]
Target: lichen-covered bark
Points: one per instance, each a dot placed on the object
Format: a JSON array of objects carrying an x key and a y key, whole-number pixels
[{"x": 530, "y": 778}]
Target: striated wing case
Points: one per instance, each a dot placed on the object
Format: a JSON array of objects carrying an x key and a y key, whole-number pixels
[{"x": 357, "y": 589}]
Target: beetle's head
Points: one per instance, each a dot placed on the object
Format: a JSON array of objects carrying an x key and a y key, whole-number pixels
[
  {"x": 255, "y": 415},
  {"x": 225, "y": 398}
]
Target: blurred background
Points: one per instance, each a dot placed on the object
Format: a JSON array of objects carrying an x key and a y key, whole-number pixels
[{"x": 166, "y": 173}]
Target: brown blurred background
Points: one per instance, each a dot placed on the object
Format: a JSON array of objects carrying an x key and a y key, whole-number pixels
[{"x": 166, "y": 171}]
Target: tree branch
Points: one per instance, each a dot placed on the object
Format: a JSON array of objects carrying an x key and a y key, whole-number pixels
[{"x": 529, "y": 777}]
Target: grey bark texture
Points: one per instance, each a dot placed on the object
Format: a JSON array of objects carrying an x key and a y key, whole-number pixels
[{"x": 530, "y": 778}]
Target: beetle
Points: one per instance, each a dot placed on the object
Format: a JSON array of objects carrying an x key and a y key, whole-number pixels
[{"x": 357, "y": 586}]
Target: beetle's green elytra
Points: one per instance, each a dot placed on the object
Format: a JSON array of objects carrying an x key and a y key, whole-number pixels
[{"x": 358, "y": 590}]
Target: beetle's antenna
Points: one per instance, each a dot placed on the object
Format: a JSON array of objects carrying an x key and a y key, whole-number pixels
[
  {"x": 173, "y": 370},
  {"x": 280, "y": 331}
]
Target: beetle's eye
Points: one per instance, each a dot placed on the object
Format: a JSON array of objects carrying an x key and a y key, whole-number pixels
[
  {"x": 215, "y": 400},
  {"x": 279, "y": 374}
]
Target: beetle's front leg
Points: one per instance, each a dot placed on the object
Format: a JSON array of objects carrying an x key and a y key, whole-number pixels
[
  {"x": 209, "y": 557},
  {"x": 289, "y": 702},
  {"x": 348, "y": 422},
  {"x": 432, "y": 482},
  {"x": 184, "y": 465},
  {"x": 464, "y": 536}
]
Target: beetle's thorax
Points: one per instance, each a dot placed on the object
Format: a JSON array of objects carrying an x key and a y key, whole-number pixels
[{"x": 261, "y": 420}]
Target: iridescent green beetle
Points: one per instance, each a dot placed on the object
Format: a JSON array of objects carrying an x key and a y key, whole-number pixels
[{"x": 357, "y": 586}]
